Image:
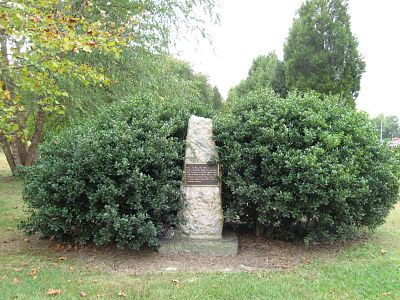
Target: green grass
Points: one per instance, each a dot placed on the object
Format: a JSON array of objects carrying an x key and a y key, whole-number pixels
[
  {"x": 10, "y": 205},
  {"x": 365, "y": 270}
]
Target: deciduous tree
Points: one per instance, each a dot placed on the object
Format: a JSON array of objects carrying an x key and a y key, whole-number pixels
[
  {"x": 38, "y": 41},
  {"x": 51, "y": 48}
]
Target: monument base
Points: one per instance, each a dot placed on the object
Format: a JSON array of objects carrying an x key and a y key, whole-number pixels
[{"x": 227, "y": 246}]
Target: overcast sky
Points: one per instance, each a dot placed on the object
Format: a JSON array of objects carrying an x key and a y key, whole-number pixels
[{"x": 253, "y": 27}]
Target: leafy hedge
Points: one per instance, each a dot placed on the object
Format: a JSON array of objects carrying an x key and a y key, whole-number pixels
[
  {"x": 302, "y": 167},
  {"x": 114, "y": 179}
]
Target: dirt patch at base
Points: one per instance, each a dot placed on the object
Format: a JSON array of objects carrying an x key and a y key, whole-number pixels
[{"x": 255, "y": 254}]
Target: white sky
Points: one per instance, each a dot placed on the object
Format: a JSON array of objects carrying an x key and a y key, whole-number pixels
[{"x": 253, "y": 27}]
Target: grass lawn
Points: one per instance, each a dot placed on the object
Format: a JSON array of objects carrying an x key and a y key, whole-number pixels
[{"x": 363, "y": 270}]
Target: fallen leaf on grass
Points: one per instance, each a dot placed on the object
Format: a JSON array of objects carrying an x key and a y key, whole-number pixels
[
  {"x": 386, "y": 294},
  {"x": 16, "y": 281},
  {"x": 52, "y": 292},
  {"x": 176, "y": 282},
  {"x": 33, "y": 273},
  {"x": 121, "y": 294},
  {"x": 83, "y": 294},
  {"x": 383, "y": 252}
]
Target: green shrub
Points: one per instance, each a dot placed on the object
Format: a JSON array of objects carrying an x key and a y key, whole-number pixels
[
  {"x": 114, "y": 179},
  {"x": 303, "y": 167}
]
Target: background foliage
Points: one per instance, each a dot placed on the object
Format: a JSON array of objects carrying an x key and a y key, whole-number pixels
[
  {"x": 116, "y": 179},
  {"x": 266, "y": 72},
  {"x": 389, "y": 125},
  {"x": 137, "y": 71},
  {"x": 303, "y": 167}
]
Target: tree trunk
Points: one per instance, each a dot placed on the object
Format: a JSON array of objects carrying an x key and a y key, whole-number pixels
[
  {"x": 260, "y": 229},
  {"x": 8, "y": 153},
  {"x": 16, "y": 152},
  {"x": 32, "y": 154}
]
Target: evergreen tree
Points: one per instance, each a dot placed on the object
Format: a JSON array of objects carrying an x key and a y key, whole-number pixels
[
  {"x": 217, "y": 98},
  {"x": 321, "y": 53}
]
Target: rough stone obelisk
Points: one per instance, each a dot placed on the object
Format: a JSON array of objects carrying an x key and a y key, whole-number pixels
[
  {"x": 202, "y": 213},
  {"x": 202, "y": 217}
]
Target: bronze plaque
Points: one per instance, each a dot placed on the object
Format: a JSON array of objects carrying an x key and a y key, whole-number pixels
[{"x": 202, "y": 174}]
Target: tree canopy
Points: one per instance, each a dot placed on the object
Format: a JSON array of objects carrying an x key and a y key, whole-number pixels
[
  {"x": 267, "y": 71},
  {"x": 321, "y": 53},
  {"x": 138, "y": 71}
]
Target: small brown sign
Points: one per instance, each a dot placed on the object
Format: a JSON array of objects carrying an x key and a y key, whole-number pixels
[{"x": 202, "y": 174}]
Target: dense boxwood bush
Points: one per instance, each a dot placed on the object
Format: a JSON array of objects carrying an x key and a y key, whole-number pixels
[
  {"x": 114, "y": 179},
  {"x": 303, "y": 167}
]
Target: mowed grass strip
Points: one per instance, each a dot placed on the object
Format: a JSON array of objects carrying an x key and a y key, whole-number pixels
[
  {"x": 375, "y": 280},
  {"x": 365, "y": 270}
]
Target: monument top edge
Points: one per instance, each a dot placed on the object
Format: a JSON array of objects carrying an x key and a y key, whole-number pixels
[{"x": 198, "y": 118}]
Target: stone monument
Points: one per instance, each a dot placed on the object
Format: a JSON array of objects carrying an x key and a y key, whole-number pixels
[{"x": 201, "y": 230}]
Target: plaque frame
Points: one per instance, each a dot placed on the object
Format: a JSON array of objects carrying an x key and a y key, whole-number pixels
[{"x": 218, "y": 183}]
